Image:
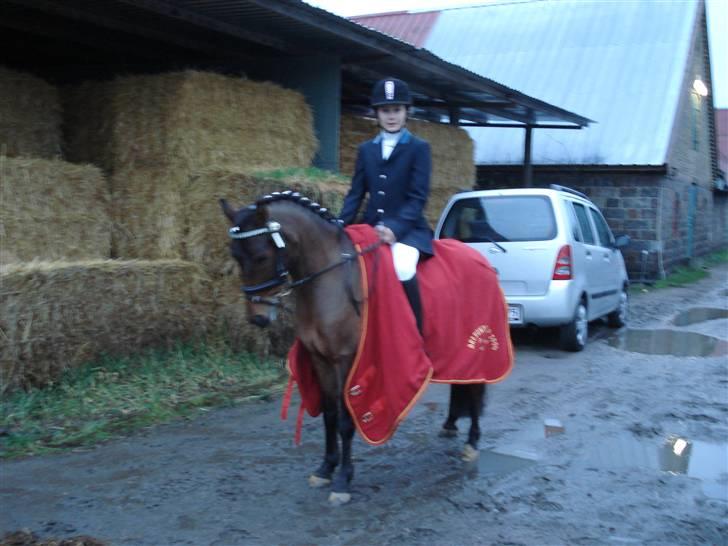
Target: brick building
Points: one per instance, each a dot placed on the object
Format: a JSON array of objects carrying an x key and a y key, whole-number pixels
[{"x": 641, "y": 71}]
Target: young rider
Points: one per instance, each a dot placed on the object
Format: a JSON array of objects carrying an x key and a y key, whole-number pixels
[{"x": 394, "y": 170}]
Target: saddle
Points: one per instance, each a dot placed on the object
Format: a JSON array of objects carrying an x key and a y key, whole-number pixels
[{"x": 466, "y": 336}]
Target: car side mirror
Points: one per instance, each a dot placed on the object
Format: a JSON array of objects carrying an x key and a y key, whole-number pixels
[{"x": 622, "y": 241}]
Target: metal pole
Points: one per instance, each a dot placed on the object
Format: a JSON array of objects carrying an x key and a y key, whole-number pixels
[{"x": 527, "y": 167}]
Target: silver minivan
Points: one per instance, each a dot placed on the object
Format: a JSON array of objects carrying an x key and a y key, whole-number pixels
[{"x": 557, "y": 260}]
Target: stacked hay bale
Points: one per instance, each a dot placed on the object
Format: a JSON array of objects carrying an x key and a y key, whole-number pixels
[
  {"x": 56, "y": 315},
  {"x": 30, "y": 116},
  {"x": 52, "y": 210},
  {"x": 175, "y": 143},
  {"x": 453, "y": 167},
  {"x": 151, "y": 133}
]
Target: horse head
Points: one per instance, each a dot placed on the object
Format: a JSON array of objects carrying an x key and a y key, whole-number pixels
[{"x": 267, "y": 240}]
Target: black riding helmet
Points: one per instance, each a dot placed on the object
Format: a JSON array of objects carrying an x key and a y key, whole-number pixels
[{"x": 390, "y": 91}]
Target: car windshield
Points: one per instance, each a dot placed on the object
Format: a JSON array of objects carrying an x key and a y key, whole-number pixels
[{"x": 500, "y": 219}]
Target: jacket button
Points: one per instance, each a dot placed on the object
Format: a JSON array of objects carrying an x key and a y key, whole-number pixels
[
  {"x": 380, "y": 192},
  {"x": 380, "y": 211},
  {"x": 382, "y": 176},
  {"x": 355, "y": 390}
]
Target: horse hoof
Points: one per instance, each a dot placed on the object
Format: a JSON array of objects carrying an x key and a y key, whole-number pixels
[
  {"x": 337, "y": 499},
  {"x": 448, "y": 433},
  {"x": 470, "y": 454},
  {"x": 317, "y": 481}
]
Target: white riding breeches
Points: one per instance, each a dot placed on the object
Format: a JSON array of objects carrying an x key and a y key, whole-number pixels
[{"x": 405, "y": 259}]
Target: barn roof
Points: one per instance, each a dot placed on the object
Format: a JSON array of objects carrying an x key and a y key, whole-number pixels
[
  {"x": 618, "y": 63},
  {"x": 112, "y": 35}
]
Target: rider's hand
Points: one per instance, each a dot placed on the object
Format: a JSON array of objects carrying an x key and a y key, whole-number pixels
[{"x": 386, "y": 235}]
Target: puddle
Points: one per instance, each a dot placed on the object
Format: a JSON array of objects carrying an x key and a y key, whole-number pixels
[
  {"x": 494, "y": 463},
  {"x": 675, "y": 455},
  {"x": 668, "y": 342},
  {"x": 699, "y": 314}
]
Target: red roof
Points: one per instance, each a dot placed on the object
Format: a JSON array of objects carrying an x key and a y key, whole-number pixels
[
  {"x": 721, "y": 129},
  {"x": 413, "y": 28}
]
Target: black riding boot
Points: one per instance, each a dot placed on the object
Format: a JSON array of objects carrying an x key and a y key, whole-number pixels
[{"x": 412, "y": 290}]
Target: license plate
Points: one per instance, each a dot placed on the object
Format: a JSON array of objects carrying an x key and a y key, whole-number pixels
[{"x": 514, "y": 314}]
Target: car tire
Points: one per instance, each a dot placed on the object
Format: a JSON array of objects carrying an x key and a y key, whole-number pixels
[
  {"x": 618, "y": 317},
  {"x": 573, "y": 335}
]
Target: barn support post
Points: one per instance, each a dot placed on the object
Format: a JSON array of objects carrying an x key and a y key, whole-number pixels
[
  {"x": 318, "y": 78},
  {"x": 527, "y": 166}
]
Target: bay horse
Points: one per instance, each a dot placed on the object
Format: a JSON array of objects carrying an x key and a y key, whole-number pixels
[{"x": 285, "y": 243}]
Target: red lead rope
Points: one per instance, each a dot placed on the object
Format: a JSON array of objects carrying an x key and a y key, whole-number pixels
[{"x": 284, "y": 410}]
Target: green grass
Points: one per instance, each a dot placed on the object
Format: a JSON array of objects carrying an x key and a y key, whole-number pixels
[
  {"x": 691, "y": 273},
  {"x": 307, "y": 173},
  {"x": 115, "y": 396}
]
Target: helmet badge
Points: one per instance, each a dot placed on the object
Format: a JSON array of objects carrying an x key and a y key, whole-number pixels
[{"x": 389, "y": 90}]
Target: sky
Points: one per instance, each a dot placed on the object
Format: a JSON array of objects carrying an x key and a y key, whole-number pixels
[{"x": 717, "y": 27}]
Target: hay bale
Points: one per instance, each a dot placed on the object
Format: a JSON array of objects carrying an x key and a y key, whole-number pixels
[
  {"x": 57, "y": 315},
  {"x": 452, "y": 148},
  {"x": 30, "y": 116},
  {"x": 190, "y": 119},
  {"x": 148, "y": 213},
  {"x": 52, "y": 210}
]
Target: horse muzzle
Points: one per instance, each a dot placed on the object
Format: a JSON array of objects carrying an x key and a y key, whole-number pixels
[{"x": 259, "y": 320}]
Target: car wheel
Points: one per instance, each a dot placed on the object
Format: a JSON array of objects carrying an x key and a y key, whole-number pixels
[
  {"x": 574, "y": 335},
  {"x": 618, "y": 317}
]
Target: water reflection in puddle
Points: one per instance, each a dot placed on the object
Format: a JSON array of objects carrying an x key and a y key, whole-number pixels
[
  {"x": 701, "y": 460},
  {"x": 699, "y": 314},
  {"x": 668, "y": 342}
]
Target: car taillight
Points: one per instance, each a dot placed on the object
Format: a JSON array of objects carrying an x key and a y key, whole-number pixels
[{"x": 562, "y": 269}]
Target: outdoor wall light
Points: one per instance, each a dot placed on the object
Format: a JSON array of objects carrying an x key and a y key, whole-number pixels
[{"x": 700, "y": 88}]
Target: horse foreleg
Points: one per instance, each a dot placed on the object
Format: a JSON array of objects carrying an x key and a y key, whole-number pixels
[
  {"x": 340, "y": 491},
  {"x": 322, "y": 476}
]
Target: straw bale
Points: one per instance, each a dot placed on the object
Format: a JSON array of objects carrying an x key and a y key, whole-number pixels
[
  {"x": 52, "y": 210},
  {"x": 148, "y": 213},
  {"x": 57, "y": 315},
  {"x": 452, "y": 148},
  {"x": 30, "y": 116},
  {"x": 191, "y": 119}
]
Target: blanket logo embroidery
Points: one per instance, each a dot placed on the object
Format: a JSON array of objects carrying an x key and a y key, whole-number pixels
[{"x": 482, "y": 338}]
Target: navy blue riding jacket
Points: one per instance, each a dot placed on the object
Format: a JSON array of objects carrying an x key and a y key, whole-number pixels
[{"x": 398, "y": 189}]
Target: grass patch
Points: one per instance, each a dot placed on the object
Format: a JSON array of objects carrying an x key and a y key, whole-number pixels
[
  {"x": 115, "y": 396},
  {"x": 690, "y": 273},
  {"x": 303, "y": 173}
]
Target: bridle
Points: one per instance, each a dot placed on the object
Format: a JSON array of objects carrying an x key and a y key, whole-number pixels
[{"x": 281, "y": 276}]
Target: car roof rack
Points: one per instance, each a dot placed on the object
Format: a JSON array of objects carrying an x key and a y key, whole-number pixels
[{"x": 568, "y": 190}]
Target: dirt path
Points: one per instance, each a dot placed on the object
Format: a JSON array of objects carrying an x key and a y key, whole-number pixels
[{"x": 233, "y": 476}]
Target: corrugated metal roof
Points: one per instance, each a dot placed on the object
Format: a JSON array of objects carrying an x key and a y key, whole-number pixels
[
  {"x": 413, "y": 28},
  {"x": 619, "y": 63},
  {"x": 721, "y": 129}
]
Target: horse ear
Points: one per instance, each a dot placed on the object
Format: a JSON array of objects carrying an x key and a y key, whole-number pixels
[{"x": 227, "y": 210}]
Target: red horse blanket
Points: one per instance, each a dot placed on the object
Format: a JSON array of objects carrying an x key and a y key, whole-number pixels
[{"x": 466, "y": 336}]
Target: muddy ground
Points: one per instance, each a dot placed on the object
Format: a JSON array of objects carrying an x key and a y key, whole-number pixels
[{"x": 642, "y": 459}]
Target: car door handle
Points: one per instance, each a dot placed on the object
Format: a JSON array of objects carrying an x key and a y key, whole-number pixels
[{"x": 588, "y": 254}]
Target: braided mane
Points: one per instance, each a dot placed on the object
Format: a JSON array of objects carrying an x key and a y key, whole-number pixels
[{"x": 301, "y": 200}]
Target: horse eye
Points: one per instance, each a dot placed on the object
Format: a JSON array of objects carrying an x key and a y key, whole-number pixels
[{"x": 260, "y": 259}]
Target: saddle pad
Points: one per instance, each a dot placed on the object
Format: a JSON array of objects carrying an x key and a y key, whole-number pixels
[{"x": 393, "y": 364}]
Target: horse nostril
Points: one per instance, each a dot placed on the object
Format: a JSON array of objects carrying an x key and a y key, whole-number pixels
[{"x": 260, "y": 320}]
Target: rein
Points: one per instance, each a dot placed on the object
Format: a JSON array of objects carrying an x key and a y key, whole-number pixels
[{"x": 281, "y": 276}]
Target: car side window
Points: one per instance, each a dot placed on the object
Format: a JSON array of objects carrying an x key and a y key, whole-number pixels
[
  {"x": 574, "y": 222},
  {"x": 584, "y": 223},
  {"x": 605, "y": 235}
]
